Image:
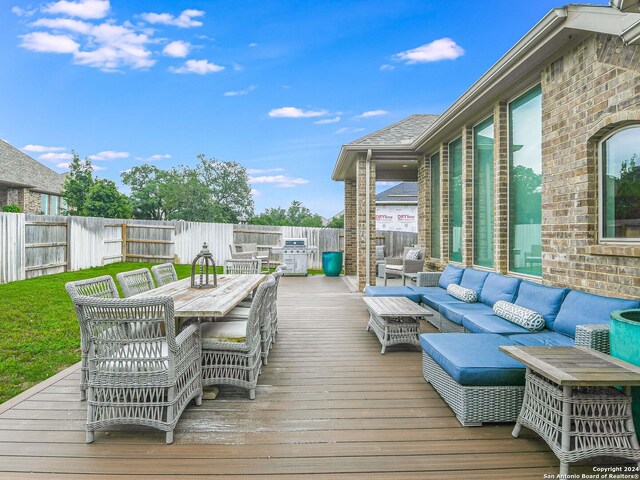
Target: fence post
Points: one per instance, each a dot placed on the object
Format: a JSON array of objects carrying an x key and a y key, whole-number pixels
[{"x": 124, "y": 242}]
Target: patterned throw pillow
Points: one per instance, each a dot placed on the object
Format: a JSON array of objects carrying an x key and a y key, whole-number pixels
[
  {"x": 413, "y": 254},
  {"x": 522, "y": 316},
  {"x": 461, "y": 293}
]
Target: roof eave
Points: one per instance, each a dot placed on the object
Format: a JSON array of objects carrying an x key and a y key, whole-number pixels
[{"x": 348, "y": 152}]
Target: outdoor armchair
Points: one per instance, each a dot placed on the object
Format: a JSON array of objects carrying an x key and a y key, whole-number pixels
[
  {"x": 401, "y": 266},
  {"x": 164, "y": 273},
  {"x": 242, "y": 266},
  {"x": 135, "y": 281}
]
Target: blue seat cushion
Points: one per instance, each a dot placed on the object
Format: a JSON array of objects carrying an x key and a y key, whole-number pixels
[
  {"x": 580, "y": 308},
  {"x": 433, "y": 297},
  {"x": 392, "y": 292},
  {"x": 544, "y": 338},
  {"x": 544, "y": 300},
  {"x": 455, "y": 312},
  {"x": 473, "y": 279},
  {"x": 498, "y": 287},
  {"x": 491, "y": 324},
  {"x": 451, "y": 274},
  {"x": 473, "y": 359}
]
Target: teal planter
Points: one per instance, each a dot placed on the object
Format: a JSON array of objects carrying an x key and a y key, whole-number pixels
[
  {"x": 624, "y": 337},
  {"x": 332, "y": 263}
]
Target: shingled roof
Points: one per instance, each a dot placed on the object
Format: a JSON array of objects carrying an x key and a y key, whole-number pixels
[
  {"x": 405, "y": 192},
  {"x": 404, "y": 132},
  {"x": 20, "y": 170}
]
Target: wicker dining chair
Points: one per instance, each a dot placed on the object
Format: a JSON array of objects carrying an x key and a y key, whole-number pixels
[
  {"x": 234, "y": 358},
  {"x": 137, "y": 373},
  {"x": 135, "y": 281},
  {"x": 164, "y": 273},
  {"x": 99, "y": 287},
  {"x": 236, "y": 266},
  {"x": 274, "y": 304}
]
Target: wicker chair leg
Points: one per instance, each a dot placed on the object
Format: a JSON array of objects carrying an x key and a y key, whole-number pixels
[
  {"x": 265, "y": 361},
  {"x": 516, "y": 430},
  {"x": 199, "y": 400},
  {"x": 252, "y": 394},
  {"x": 169, "y": 437},
  {"x": 89, "y": 437}
]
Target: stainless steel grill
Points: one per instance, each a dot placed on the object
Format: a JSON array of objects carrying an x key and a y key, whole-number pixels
[{"x": 295, "y": 255}]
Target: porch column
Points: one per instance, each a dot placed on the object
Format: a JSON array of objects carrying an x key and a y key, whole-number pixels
[
  {"x": 501, "y": 189},
  {"x": 444, "y": 202},
  {"x": 366, "y": 219},
  {"x": 350, "y": 228},
  {"x": 467, "y": 195},
  {"x": 424, "y": 205}
]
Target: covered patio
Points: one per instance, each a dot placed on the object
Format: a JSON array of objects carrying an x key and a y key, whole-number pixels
[{"x": 328, "y": 406}]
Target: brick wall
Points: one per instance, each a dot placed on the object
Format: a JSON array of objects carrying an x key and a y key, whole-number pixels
[
  {"x": 588, "y": 92},
  {"x": 467, "y": 195},
  {"x": 424, "y": 205},
  {"x": 363, "y": 211},
  {"x": 350, "y": 247},
  {"x": 444, "y": 202},
  {"x": 500, "y": 188}
]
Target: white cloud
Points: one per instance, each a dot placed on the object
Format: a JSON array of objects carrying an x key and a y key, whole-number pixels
[
  {"x": 96, "y": 168},
  {"x": 184, "y": 20},
  {"x": 282, "y": 181},
  {"x": 56, "y": 157},
  {"x": 41, "y": 148},
  {"x": 372, "y": 113},
  {"x": 89, "y": 9},
  {"x": 294, "y": 112},
  {"x": 441, "y": 49},
  {"x": 108, "y": 155},
  {"x": 177, "y": 49},
  {"x": 22, "y": 12},
  {"x": 253, "y": 45},
  {"x": 326, "y": 121},
  {"x": 154, "y": 158},
  {"x": 200, "y": 67},
  {"x": 237, "y": 93},
  {"x": 255, "y": 193},
  {"x": 387, "y": 68},
  {"x": 256, "y": 171},
  {"x": 44, "y": 42},
  {"x": 62, "y": 165},
  {"x": 69, "y": 24}
]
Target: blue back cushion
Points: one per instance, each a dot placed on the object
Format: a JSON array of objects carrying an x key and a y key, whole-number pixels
[
  {"x": 451, "y": 274},
  {"x": 498, "y": 287},
  {"x": 473, "y": 279},
  {"x": 580, "y": 308},
  {"x": 544, "y": 300}
]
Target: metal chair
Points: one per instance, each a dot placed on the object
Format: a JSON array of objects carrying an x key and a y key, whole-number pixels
[
  {"x": 242, "y": 266},
  {"x": 99, "y": 287},
  {"x": 137, "y": 373},
  {"x": 135, "y": 281},
  {"x": 164, "y": 273}
]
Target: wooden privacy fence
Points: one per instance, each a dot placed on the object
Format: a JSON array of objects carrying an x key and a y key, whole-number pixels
[{"x": 33, "y": 245}]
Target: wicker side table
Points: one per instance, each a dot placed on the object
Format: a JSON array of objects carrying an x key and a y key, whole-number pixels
[{"x": 570, "y": 402}]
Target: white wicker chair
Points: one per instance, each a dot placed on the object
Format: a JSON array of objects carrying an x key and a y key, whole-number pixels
[
  {"x": 237, "y": 266},
  {"x": 274, "y": 304},
  {"x": 138, "y": 374},
  {"x": 135, "y": 281},
  {"x": 164, "y": 273},
  {"x": 235, "y": 361},
  {"x": 99, "y": 287}
]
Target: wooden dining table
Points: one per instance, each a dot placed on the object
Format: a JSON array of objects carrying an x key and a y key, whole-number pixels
[{"x": 207, "y": 302}]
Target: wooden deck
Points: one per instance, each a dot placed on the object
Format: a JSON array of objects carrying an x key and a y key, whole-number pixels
[{"x": 328, "y": 406}]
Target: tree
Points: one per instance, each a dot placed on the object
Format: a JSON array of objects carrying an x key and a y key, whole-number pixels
[
  {"x": 77, "y": 184},
  {"x": 228, "y": 184},
  {"x": 104, "y": 200},
  {"x": 336, "y": 222},
  {"x": 186, "y": 197},
  {"x": 297, "y": 215},
  {"x": 147, "y": 197}
]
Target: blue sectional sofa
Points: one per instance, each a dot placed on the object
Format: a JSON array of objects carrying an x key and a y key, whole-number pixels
[{"x": 480, "y": 383}]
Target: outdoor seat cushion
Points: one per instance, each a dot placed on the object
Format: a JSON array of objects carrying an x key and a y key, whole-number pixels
[
  {"x": 473, "y": 359},
  {"x": 130, "y": 360},
  {"x": 473, "y": 279},
  {"x": 371, "y": 291},
  {"x": 498, "y": 287},
  {"x": 580, "y": 308},
  {"x": 455, "y": 312},
  {"x": 542, "y": 299},
  {"x": 544, "y": 338},
  {"x": 240, "y": 312},
  {"x": 391, "y": 266},
  {"x": 433, "y": 297},
  {"x": 491, "y": 324},
  {"x": 451, "y": 274},
  {"x": 212, "y": 332}
]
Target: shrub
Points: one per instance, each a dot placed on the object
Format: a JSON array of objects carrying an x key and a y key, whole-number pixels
[{"x": 11, "y": 208}]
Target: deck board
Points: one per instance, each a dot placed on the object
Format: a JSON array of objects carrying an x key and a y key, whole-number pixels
[{"x": 328, "y": 406}]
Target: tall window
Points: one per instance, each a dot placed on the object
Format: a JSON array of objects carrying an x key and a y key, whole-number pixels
[
  {"x": 455, "y": 200},
  {"x": 54, "y": 204},
  {"x": 525, "y": 183},
  {"x": 620, "y": 196},
  {"x": 44, "y": 203},
  {"x": 435, "y": 206},
  {"x": 483, "y": 193}
]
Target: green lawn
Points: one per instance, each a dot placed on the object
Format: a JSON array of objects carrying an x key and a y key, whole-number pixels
[{"x": 40, "y": 334}]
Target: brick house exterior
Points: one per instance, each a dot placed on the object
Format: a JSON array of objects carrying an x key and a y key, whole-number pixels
[
  {"x": 585, "y": 61},
  {"x": 27, "y": 183}
]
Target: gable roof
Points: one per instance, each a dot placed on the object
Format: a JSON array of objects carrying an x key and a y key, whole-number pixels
[
  {"x": 405, "y": 192},
  {"x": 404, "y": 132},
  {"x": 19, "y": 169}
]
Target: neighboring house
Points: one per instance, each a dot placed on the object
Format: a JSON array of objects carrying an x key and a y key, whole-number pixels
[
  {"x": 397, "y": 208},
  {"x": 27, "y": 183}
]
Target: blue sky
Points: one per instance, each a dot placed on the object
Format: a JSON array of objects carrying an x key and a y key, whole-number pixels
[{"x": 278, "y": 86}]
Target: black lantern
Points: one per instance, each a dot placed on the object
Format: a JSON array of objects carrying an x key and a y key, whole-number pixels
[{"x": 201, "y": 267}]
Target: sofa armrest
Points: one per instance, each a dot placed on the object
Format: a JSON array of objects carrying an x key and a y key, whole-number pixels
[
  {"x": 594, "y": 336},
  {"x": 413, "y": 266},
  {"x": 428, "y": 279}
]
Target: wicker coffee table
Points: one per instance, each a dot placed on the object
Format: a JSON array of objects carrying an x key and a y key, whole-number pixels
[
  {"x": 570, "y": 402},
  {"x": 395, "y": 320}
]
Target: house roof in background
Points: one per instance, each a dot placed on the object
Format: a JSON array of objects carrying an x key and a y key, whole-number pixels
[
  {"x": 404, "y": 132},
  {"x": 19, "y": 169},
  {"x": 403, "y": 193}
]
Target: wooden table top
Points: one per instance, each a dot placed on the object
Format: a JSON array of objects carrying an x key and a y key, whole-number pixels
[
  {"x": 576, "y": 366},
  {"x": 395, "y": 307},
  {"x": 207, "y": 302}
]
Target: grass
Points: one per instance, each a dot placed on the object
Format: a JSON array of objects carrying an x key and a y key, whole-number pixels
[{"x": 40, "y": 334}]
